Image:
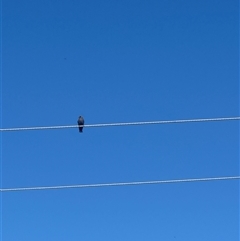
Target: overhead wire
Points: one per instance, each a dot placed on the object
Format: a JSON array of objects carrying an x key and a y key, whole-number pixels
[
  {"x": 123, "y": 124},
  {"x": 115, "y": 184}
]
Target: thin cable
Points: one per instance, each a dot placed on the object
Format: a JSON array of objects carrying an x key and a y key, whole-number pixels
[
  {"x": 123, "y": 124},
  {"x": 121, "y": 184}
]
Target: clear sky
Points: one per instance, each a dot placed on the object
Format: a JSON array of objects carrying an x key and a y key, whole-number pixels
[{"x": 120, "y": 61}]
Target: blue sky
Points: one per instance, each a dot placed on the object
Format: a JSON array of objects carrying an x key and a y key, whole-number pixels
[{"x": 120, "y": 61}]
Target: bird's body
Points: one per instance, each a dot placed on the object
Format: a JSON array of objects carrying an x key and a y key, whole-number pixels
[{"x": 80, "y": 123}]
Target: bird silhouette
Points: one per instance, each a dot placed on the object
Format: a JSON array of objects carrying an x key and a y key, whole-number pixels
[{"x": 80, "y": 123}]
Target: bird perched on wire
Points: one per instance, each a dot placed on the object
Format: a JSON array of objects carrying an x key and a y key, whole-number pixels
[{"x": 80, "y": 123}]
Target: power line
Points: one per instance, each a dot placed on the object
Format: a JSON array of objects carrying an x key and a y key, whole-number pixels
[
  {"x": 123, "y": 124},
  {"x": 121, "y": 184}
]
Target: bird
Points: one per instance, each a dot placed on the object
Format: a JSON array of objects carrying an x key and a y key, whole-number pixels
[{"x": 80, "y": 123}]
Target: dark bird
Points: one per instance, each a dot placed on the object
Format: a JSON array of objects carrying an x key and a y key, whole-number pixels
[{"x": 80, "y": 123}]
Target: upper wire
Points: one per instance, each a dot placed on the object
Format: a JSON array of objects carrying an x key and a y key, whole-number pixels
[{"x": 122, "y": 124}]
